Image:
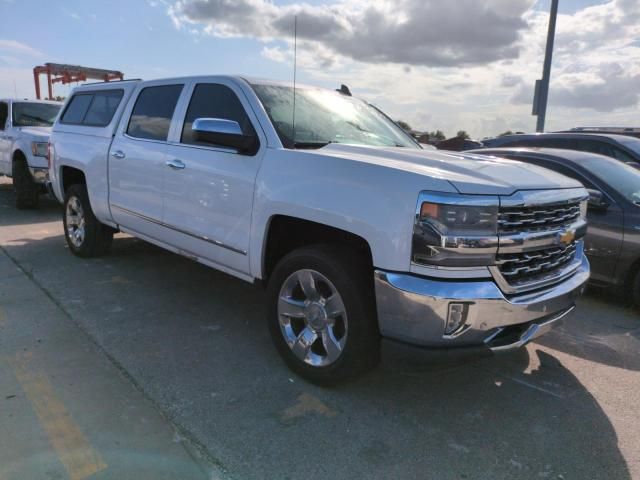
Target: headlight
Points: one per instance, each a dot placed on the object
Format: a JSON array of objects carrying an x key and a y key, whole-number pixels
[
  {"x": 455, "y": 230},
  {"x": 39, "y": 149}
]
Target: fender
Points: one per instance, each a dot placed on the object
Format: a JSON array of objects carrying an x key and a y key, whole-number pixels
[{"x": 337, "y": 192}]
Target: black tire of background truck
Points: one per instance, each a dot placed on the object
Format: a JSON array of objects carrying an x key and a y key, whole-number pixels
[
  {"x": 353, "y": 279},
  {"x": 26, "y": 190},
  {"x": 97, "y": 236},
  {"x": 635, "y": 291}
]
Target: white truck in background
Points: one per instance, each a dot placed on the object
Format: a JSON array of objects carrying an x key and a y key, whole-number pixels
[
  {"x": 357, "y": 231},
  {"x": 25, "y": 126}
]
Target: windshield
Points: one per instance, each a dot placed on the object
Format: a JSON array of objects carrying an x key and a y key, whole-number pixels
[
  {"x": 631, "y": 143},
  {"x": 620, "y": 177},
  {"x": 28, "y": 114},
  {"x": 324, "y": 116}
]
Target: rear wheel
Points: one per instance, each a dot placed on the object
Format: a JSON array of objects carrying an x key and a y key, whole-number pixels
[
  {"x": 27, "y": 191},
  {"x": 321, "y": 313},
  {"x": 85, "y": 235}
]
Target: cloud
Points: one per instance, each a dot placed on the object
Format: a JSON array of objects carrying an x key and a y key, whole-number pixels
[
  {"x": 412, "y": 32},
  {"x": 17, "y": 48},
  {"x": 450, "y": 65},
  {"x": 510, "y": 80},
  {"x": 610, "y": 89}
]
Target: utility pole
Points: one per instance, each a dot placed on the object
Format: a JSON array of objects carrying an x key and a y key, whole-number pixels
[{"x": 542, "y": 86}]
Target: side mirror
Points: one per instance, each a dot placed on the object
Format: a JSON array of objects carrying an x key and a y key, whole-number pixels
[
  {"x": 226, "y": 133},
  {"x": 596, "y": 201}
]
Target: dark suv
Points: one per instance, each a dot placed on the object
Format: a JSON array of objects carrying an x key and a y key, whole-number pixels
[
  {"x": 620, "y": 147},
  {"x": 612, "y": 243}
]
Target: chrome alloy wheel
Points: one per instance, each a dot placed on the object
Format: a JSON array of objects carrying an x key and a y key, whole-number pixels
[
  {"x": 313, "y": 318},
  {"x": 75, "y": 222}
]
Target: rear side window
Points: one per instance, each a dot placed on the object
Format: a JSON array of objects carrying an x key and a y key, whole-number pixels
[
  {"x": 103, "y": 107},
  {"x": 152, "y": 113},
  {"x": 77, "y": 108},
  {"x": 95, "y": 109},
  {"x": 211, "y": 100}
]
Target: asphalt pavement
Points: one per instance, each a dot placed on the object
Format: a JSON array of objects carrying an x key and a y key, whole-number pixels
[{"x": 154, "y": 365}]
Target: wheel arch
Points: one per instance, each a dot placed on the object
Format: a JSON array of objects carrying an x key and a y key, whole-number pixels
[
  {"x": 286, "y": 233},
  {"x": 71, "y": 176}
]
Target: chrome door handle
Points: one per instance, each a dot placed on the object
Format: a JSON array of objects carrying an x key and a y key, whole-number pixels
[
  {"x": 118, "y": 154},
  {"x": 176, "y": 164}
]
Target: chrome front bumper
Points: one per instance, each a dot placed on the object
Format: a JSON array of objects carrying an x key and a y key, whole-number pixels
[
  {"x": 414, "y": 310},
  {"x": 40, "y": 175}
]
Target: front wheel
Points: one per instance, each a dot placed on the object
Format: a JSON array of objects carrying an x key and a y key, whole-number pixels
[
  {"x": 321, "y": 313},
  {"x": 27, "y": 191},
  {"x": 85, "y": 235}
]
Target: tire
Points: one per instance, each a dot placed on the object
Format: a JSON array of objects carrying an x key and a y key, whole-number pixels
[
  {"x": 27, "y": 191},
  {"x": 635, "y": 291},
  {"x": 85, "y": 235},
  {"x": 303, "y": 326}
]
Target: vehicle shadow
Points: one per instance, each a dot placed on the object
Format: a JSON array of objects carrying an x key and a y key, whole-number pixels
[
  {"x": 601, "y": 330},
  {"x": 48, "y": 209},
  {"x": 195, "y": 340}
]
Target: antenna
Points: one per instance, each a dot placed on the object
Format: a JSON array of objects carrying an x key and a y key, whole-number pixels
[
  {"x": 295, "y": 56},
  {"x": 15, "y": 90}
]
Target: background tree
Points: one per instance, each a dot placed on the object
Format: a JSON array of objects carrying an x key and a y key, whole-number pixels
[
  {"x": 508, "y": 132},
  {"x": 462, "y": 134},
  {"x": 437, "y": 135},
  {"x": 404, "y": 125}
]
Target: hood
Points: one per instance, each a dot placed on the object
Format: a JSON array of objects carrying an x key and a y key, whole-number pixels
[
  {"x": 469, "y": 174},
  {"x": 37, "y": 133}
]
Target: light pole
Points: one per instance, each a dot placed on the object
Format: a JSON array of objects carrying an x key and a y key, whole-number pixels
[{"x": 542, "y": 86}]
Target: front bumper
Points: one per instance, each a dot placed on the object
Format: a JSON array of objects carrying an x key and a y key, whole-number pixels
[
  {"x": 40, "y": 175},
  {"x": 414, "y": 309}
]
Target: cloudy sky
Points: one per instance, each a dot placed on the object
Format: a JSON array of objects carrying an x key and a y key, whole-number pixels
[{"x": 450, "y": 65}]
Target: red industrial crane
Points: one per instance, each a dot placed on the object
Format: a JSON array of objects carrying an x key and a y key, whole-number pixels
[{"x": 61, "y": 73}]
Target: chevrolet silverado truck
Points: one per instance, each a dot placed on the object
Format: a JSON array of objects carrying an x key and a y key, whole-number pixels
[
  {"x": 25, "y": 126},
  {"x": 356, "y": 231}
]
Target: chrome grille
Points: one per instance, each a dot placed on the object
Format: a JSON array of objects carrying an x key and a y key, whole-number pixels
[
  {"x": 528, "y": 266},
  {"x": 536, "y": 218}
]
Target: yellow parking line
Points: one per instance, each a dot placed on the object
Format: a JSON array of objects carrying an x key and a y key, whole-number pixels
[{"x": 71, "y": 445}]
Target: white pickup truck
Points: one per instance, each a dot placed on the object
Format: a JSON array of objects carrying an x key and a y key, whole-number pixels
[
  {"x": 25, "y": 126},
  {"x": 357, "y": 232}
]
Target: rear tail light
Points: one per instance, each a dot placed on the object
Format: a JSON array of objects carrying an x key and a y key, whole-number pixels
[{"x": 49, "y": 155}]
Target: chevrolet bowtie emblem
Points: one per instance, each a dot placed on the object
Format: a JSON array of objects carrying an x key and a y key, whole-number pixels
[{"x": 567, "y": 237}]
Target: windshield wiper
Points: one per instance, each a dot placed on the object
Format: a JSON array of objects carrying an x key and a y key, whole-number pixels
[{"x": 311, "y": 145}]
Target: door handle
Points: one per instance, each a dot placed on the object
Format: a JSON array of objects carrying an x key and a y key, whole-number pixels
[
  {"x": 176, "y": 164},
  {"x": 118, "y": 154}
]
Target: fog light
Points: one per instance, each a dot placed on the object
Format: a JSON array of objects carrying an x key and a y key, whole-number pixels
[{"x": 457, "y": 317}]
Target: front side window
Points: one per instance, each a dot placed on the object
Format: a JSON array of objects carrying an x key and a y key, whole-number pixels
[
  {"x": 594, "y": 146},
  {"x": 325, "y": 116},
  {"x": 632, "y": 144},
  {"x": 31, "y": 114},
  {"x": 564, "y": 170},
  {"x": 619, "y": 176},
  {"x": 211, "y": 100},
  {"x": 152, "y": 113},
  {"x": 4, "y": 113}
]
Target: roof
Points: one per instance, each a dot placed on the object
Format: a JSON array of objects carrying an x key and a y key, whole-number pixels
[
  {"x": 574, "y": 156},
  {"x": 29, "y": 100},
  {"x": 527, "y": 136}
]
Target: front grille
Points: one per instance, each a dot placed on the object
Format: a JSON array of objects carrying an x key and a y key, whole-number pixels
[
  {"x": 536, "y": 218},
  {"x": 521, "y": 267}
]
